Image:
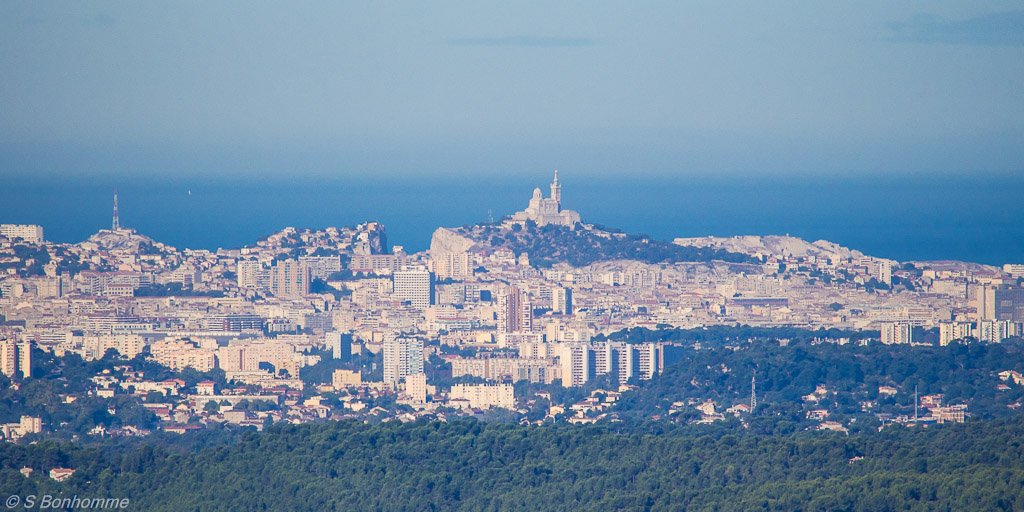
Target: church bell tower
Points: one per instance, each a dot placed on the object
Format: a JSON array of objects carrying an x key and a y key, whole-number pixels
[{"x": 556, "y": 191}]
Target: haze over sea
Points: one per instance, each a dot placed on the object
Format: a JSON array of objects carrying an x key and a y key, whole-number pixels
[{"x": 906, "y": 218}]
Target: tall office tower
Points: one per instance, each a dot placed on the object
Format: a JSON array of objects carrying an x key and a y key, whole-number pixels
[
  {"x": 16, "y": 357},
  {"x": 1008, "y": 304},
  {"x": 515, "y": 312},
  {"x": 415, "y": 286},
  {"x": 561, "y": 300},
  {"x": 290, "y": 279},
  {"x": 574, "y": 359},
  {"x": 896, "y": 333},
  {"x": 340, "y": 345},
  {"x": 116, "y": 225},
  {"x": 402, "y": 357},
  {"x": 454, "y": 265}
]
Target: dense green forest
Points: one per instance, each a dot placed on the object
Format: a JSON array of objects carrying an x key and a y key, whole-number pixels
[
  {"x": 471, "y": 465},
  {"x": 766, "y": 460},
  {"x": 963, "y": 373},
  {"x": 580, "y": 247}
]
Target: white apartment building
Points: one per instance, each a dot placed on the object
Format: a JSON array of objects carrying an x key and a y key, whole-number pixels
[
  {"x": 1014, "y": 269},
  {"x": 514, "y": 311},
  {"x": 289, "y": 279},
  {"x": 251, "y": 274},
  {"x": 561, "y": 300},
  {"x": 414, "y": 286},
  {"x": 28, "y": 232},
  {"x": 402, "y": 357},
  {"x": 453, "y": 265},
  {"x": 16, "y": 356},
  {"x": 995, "y": 331},
  {"x": 896, "y": 333},
  {"x": 485, "y": 396},
  {"x": 321, "y": 267},
  {"x": 416, "y": 387},
  {"x": 952, "y": 331},
  {"x": 574, "y": 359},
  {"x": 340, "y": 347}
]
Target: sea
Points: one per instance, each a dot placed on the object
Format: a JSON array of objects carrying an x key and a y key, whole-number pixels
[{"x": 905, "y": 218}]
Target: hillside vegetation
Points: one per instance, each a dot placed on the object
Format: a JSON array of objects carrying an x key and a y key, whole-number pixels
[
  {"x": 468, "y": 465},
  {"x": 586, "y": 245},
  {"x": 851, "y": 374}
]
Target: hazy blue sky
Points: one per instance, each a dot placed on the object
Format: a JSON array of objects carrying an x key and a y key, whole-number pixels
[{"x": 455, "y": 87}]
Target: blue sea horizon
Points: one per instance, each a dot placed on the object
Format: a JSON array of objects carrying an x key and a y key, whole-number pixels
[{"x": 906, "y": 218}]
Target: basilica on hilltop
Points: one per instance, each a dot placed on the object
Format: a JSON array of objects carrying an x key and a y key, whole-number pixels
[{"x": 549, "y": 210}]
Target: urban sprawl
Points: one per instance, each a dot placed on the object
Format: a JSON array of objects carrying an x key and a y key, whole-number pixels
[{"x": 300, "y": 299}]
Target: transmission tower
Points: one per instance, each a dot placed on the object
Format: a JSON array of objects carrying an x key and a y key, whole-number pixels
[
  {"x": 117, "y": 222},
  {"x": 753, "y": 391}
]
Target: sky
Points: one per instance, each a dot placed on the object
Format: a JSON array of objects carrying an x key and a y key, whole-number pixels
[{"x": 357, "y": 89}]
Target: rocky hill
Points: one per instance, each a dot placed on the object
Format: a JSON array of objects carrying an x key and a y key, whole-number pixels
[
  {"x": 121, "y": 239},
  {"x": 778, "y": 246},
  {"x": 580, "y": 246}
]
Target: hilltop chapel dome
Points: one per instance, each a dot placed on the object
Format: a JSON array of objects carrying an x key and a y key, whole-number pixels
[{"x": 545, "y": 211}]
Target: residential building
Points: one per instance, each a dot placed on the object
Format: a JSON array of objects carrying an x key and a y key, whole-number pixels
[
  {"x": 28, "y": 232},
  {"x": 574, "y": 359},
  {"x": 416, "y": 387},
  {"x": 289, "y": 279},
  {"x": 402, "y": 357},
  {"x": 485, "y": 396},
  {"x": 415, "y": 286},
  {"x": 343, "y": 379},
  {"x": 896, "y": 333},
  {"x": 321, "y": 267},
  {"x": 514, "y": 310},
  {"x": 452, "y": 265},
  {"x": 16, "y": 356},
  {"x": 995, "y": 331},
  {"x": 561, "y": 300},
  {"x": 250, "y": 274},
  {"x": 952, "y": 331},
  {"x": 339, "y": 343}
]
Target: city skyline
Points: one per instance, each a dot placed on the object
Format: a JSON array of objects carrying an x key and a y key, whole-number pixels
[{"x": 317, "y": 255}]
